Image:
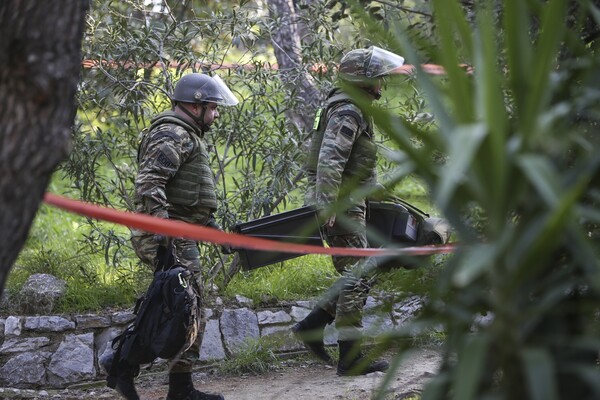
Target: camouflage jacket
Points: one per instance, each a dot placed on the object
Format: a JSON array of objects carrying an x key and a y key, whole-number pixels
[
  {"x": 346, "y": 157},
  {"x": 174, "y": 178}
]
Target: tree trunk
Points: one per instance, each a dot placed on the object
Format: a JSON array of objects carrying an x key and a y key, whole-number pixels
[
  {"x": 287, "y": 46},
  {"x": 40, "y": 59}
]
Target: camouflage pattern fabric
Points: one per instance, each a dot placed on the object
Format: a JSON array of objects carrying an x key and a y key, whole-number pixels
[
  {"x": 346, "y": 299},
  {"x": 163, "y": 151},
  {"x": 346, "y": 159}
]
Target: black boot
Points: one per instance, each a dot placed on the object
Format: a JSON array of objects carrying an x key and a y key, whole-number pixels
[
  {"x": 353, "y": 363},
  {"x": 310, "y": 332},
  {"x": 120, "y": 377},
  {"x": 182, "y": 388}
]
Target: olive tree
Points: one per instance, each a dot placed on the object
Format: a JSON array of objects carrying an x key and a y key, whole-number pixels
[
  {"x": 40, "y": 55},
  {"x": 134, "y": 53}
]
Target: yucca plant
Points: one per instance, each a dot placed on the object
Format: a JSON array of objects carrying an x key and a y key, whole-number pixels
[{"x": 519, "y": 183}]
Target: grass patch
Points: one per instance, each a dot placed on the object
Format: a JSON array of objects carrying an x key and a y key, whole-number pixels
[
  {"x": 56, "y": 246},
  {"x": 89, "y": 288},
  {"x": 310, "y": 276},
  {"x": 256, "y": 356},
  {"x": 419, "y": 281},
  {"x": 296, "y": 279}
]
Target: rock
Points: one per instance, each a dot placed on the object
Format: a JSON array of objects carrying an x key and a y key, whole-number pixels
[
  {"x": 269, "y": 317},
  {"x": 103, "y": 339},
  {"x": 48, "y": 324},
  {"x": 13, "y": 326},
  {"x": 406, "y": 309},
  {"x": 18, "y": 344},
  {"x": 282, "y": 337},
  {"x": 92, "y": 321},
  {"x": 25, "y": 369},
  {"x": 375, "y": 320},
  {"x": 73, "y": 361},
  {"x": 212, "y": 345},
  {"x": 123, "y": 317},
  {"x": 40, "y": 294},
  {"x": 238, "y": 325},
  {"x": 243, "y": 301}
]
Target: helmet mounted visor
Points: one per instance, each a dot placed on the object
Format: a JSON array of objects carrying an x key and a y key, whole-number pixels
[
  {"x": 364, "y": 65},
  {"x": 224, "y": 96}
]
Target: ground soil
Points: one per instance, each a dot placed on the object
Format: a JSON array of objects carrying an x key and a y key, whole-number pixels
[{"x": 294, "y": 379}]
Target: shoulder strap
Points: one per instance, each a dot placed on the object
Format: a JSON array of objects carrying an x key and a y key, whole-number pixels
[{"x": 164, "y": 118}]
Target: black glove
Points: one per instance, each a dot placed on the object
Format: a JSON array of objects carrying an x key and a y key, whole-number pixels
[
  {"x": 212, "y": 223},
  {"x": 226, "y": 249},
  {"x": 162, "y": 240}
]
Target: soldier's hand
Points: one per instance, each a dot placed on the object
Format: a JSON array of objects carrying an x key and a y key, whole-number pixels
[
  {"x": 213, "y": 224},
  {"x": 330, "y": 222},
  {"x": 327, "y": 217},
  {"x": 162, "y": 240},
  {"x": 380, "y": 193}
]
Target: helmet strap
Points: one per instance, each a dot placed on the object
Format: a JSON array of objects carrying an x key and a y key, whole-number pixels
[
  {"x": 371, "y": 91},
  {"x": 198, "y": 120}
]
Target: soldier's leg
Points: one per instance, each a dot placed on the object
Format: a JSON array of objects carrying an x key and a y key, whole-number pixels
[
  {"x": 181, "y": 385},
  {"x": 310, "y": 330},
  {"x": 188, "y": 254}
]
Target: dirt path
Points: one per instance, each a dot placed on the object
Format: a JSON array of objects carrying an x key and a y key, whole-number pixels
[
  {"x": 294, "y": 379},
  {"x": 302, "y": 379}
]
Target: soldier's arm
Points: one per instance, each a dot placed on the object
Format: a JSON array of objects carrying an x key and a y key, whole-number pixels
[
  {"x": 162, "y": 158},
  {"x": 338, "y": 139}
]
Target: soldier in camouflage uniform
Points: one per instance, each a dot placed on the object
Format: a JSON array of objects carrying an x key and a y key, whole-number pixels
[
  {"x": 175, "y": 181},
  {"x": 342, "y": 158}
]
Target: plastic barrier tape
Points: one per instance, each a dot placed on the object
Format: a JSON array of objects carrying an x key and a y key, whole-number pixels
[{"x": 204, "y": 234}]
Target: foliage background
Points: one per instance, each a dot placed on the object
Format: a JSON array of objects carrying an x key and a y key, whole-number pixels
[
  {"x": 507, "y": 153},
  {"x": 133, "y": 53}
]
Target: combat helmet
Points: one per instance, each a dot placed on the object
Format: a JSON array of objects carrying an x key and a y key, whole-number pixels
[
  {"x": 365, "y": 65},
  {"x": 202, "y": 88}
]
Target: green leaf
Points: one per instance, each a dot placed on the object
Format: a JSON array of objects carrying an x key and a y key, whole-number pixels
[
  {"x": 491, "y": 108},
  {"x": 542, "y": 176},
  {"x": 473, "y": 263},
  {"x": 455, "y": 34},
  {"x": 540, "y": 374},
  {"x": 471, "y": 361},
  {"x": 552, "y": 31},
  {"x": 532, "y": 246},
  {"x": 434, "y": 96},
  {"x": 466, "y": 141}
]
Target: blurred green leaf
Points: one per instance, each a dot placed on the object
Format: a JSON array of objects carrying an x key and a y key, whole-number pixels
[
  {"x": 542, "y": 176},
  {"x": 539, "y": 369},
  {"x": 462, "y": 150},
  {"x": 471, "y": 360},
  {"x": 476, "y": 260}
]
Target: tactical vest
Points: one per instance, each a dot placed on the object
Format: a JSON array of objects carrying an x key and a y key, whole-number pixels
[
  {"x": 193, "y": 185},
  {"x": 363, "y": 157}
]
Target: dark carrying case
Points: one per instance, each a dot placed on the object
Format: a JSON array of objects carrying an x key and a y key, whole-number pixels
[
  {"x": 296, "y": 226},
  {"x": 388, "y": 225}
]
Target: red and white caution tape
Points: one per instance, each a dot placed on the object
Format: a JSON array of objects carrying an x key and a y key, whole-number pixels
[{"x": 204, "y": 234}]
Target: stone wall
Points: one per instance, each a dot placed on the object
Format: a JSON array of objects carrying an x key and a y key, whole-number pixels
[{"x": 61, "y": 350}]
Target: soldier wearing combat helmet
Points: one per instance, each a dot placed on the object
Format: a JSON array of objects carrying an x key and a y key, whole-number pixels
[
  {"x": 175, "y": 181},
  {"x": 342, "y": 157}
]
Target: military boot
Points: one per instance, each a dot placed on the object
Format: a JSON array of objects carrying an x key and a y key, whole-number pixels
[
  {"x": 182, "y": 388},
  {"x": 353, "y": 363},
  {"x": 310, "y": 332},
  {"x": 120, "y": 376}
]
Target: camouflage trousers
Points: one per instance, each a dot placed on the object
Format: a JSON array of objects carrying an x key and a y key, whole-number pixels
[
  {"x": 188, "y": 254},
  {"x": 346, "y": 298}
]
